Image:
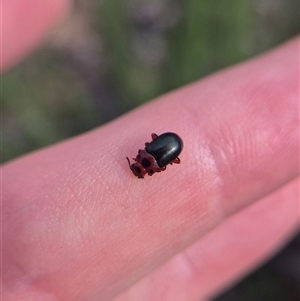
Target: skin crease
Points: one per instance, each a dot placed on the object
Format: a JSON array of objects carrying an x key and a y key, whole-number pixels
[
  {"x": 199, "y": 271},
  {"x": 77, "y": 225}
]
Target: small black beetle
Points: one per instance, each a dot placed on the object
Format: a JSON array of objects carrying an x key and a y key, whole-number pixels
[{"x": 161, "y": 151}]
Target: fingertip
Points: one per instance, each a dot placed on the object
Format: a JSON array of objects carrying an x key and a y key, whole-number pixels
[{"x": 24, "y": 23}]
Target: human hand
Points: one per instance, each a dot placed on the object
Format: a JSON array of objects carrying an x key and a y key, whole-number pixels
[{"x": 77, "y": 225}]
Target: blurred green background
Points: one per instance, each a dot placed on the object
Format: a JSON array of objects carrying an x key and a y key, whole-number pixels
[{"x": 110, "y": 56}]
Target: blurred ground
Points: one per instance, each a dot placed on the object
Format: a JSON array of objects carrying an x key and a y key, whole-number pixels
[{"x": 110, "y": 56}]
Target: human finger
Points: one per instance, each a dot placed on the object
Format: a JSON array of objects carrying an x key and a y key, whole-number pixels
[
  {"x": 24, "y": 24},
  {"x": 224, "y": 255},
  {"x": 78, "y": 225}
]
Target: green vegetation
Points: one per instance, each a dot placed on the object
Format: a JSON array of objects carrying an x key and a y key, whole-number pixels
[{"x": 130, "y": 52}]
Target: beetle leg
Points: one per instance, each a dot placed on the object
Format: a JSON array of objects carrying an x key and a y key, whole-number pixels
[
  {"x": 163, "y": 168},
  {"x": 151, "y": 172},
  {"x": 176, "y": 161},
  {"x": 147, "y": 143},
  {"x": 153, "y": 136}
]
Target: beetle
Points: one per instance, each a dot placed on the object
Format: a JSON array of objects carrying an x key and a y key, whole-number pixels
[{"x": 161, "y": 151}]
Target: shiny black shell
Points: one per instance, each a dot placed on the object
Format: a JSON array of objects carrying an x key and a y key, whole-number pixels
[{"x": 165, "y": 148}]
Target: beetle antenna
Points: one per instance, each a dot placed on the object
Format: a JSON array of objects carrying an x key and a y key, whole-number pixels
[{"x": 128, "y": 162}]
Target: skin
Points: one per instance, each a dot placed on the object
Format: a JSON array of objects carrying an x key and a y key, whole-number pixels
[{"x": 77, "y": 225}]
